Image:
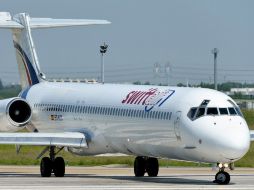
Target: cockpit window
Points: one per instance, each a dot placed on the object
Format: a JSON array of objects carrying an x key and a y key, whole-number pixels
[
  {"x": 223, "y": 111},
  {"x": 212, "y": 111},
  {"x": 201, "y": 112},
  {"x": 236, "y": 108},
  {"x": 192, "y": 112},
  {"x": 204, "y": 103},
  {"x": 204, "y": 109},
  {"x": 232, "y": 111},
  {"x": 238, "y": 111}
]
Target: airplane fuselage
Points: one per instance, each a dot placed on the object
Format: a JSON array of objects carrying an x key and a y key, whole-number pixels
[{"x": 138, "y": 120}]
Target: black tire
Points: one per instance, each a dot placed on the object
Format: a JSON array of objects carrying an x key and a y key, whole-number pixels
[
  {"x": 59, "y": 167},
  {"x": 139, "y": 166},
  {"x": 222, "y": 178},
  {"x": 46, "y": 167},
  {"x": 152, "y": 167}
]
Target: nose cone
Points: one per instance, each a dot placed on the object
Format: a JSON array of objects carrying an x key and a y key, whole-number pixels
[
  {"x": 226, "y": 143},
  {"x": 236, "y": 143}
]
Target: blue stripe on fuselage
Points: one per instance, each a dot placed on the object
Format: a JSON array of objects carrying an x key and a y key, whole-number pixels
[
  {"x": 24, "y": 93},
  {"x": 30, "y": 67}
]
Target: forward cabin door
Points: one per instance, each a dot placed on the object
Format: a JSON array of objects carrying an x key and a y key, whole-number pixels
[{"x": 177, "y": 125}]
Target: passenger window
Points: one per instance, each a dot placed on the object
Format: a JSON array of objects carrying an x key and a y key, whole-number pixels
[
  {"x": 212, "y": 111},
  {"x": 201, "y": 112},
  {"x": 165, "y": 115},
  {"x": 232, "y": 111},
  {"x": 223, "y": 111}
]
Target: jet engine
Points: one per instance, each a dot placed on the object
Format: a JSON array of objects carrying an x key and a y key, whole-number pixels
[{"x": 15, "y": 113}]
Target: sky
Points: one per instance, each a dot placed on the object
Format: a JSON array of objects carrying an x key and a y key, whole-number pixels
[{"x": 160, "y": 41}]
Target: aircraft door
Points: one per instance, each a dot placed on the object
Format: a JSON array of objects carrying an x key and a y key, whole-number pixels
[{"x": 177, "y": 125}]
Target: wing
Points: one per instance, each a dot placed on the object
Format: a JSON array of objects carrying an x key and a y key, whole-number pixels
[
  {"x": 68, "y": 139},
  {"x": 251, "y": 135}
]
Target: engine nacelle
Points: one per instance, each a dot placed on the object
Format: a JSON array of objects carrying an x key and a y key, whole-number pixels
[{"x": 15, "y": 113}]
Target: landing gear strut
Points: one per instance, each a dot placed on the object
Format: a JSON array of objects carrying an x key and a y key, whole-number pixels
[
  {"x": 222, "y": 177},
  {"x": 52, "y": 164},
  {"x": 146, "y": 164}
]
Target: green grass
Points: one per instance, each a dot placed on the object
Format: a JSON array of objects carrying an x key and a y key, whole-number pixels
[{"x": 28, "y": 154}]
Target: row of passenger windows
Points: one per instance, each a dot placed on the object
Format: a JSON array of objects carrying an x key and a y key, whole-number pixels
[
  {"x": 104, "y": 111},
  {"x": 198, "y": 112}
]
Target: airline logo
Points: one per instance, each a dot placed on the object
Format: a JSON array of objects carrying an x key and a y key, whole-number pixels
[{"x": 150, "y": 99}]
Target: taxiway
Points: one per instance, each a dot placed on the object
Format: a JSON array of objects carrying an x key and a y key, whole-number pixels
[{"x": 115, "y": 177}]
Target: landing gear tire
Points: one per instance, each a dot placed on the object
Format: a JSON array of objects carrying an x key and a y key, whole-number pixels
[
  {"x": 52, "y": 164},
  {"x": 144, "y": 164},
  {"x": 222, "y": 178},
  {"x": 139, "y": 166},
  {"x": 152, "y": 167},
  {"x": 46, "y": 167},
  {"x": 59, "y": 167}
]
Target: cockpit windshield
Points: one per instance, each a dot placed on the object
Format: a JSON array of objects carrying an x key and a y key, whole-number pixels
[
  {"x": 223, "y": 111},
  {"x": 205, "y": 110},
  {"x": 201, "y": 112},
  {"x": 212, "y": 111}
]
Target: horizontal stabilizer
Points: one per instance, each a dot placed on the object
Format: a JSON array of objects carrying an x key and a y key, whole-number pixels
[
  {"x": 10, "y": 25},
  {"x": 54, "y": 23},
  {"x": 6, "y": 21},
  {"x": 68, "y": 139}
]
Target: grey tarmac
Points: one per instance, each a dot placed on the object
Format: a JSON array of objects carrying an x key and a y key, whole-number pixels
[{"x": 118, "y": 177}]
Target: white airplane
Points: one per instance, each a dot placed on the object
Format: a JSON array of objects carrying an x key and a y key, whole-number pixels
[{"x": 150, "y": 122}]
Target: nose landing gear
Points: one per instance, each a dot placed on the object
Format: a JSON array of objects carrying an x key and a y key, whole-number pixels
[{"x": 222, "y": 177}]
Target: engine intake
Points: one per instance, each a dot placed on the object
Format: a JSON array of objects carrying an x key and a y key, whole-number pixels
[
  {"x": 19, "y": 112},
  {"x": 15, "y": 113}
]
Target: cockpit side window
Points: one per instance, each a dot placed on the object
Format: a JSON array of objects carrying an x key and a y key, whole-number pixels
[
  {"x": 192, "y": 113},
  {"x": 212, "y": 111},
  {"x": 223, "y": 111},
  {"x": 236, "y": 110},
  {"x": 232, "y": 111},
  {"x": 201, "y": 112}
]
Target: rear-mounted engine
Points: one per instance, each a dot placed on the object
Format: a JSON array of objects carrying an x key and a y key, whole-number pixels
[{"x": 15, "y": 114}]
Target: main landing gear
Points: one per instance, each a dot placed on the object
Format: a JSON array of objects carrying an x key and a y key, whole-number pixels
[
  {"x": 52, "y": 164},
  {"x": 222, "y": 177},
  {"x": 147, "y": 165}
]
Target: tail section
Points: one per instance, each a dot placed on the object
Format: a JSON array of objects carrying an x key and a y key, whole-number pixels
[
  {"x": 26, "y": 56},
  {"x": 27, "y": 59},
  {"x": 21, "y": 25}
]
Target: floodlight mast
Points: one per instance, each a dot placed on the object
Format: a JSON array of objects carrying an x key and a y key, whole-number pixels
[
  {"x": 103, "y": 50},
  {"x": 215, "y": 52}
]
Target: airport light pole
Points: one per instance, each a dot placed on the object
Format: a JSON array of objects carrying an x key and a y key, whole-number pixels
[
  {"x": 103, "y": 50},
  {"x": 215, "y": 52}
]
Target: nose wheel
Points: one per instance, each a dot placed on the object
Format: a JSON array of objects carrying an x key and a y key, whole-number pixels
[{"x": 222, "y": 177}]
